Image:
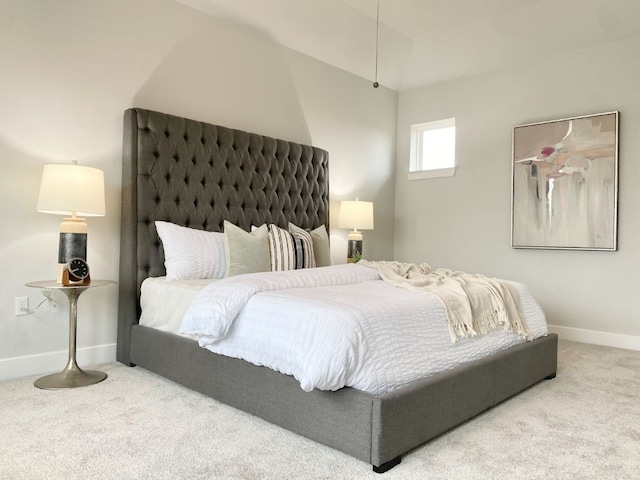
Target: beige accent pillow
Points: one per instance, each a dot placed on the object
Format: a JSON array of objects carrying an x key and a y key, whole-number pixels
[
  {"x": 321, "y": 249},
  {"x": 246, "y": 252}
]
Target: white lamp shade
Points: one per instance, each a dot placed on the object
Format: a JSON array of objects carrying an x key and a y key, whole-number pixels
[
  {"x": 356, "y": 214},
  {"x": 66, "y": 189}
]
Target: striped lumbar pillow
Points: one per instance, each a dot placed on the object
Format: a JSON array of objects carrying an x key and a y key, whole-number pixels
[
  {"x": 290, "y": 251},
  {"x": 321, "y": 250}
]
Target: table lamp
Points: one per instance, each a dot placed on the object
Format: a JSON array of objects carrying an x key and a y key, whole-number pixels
[
  {"x": 355, "y": 214},
  {"x": 72, "y": 190}
]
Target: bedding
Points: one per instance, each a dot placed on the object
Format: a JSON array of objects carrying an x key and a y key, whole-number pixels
[
  {"x": 290, "y": 250},
  {"x": 246, "y": 252},
  {"x": 164, "y": 302},
  {"x": 328, "y": 327},
  {"x": 320, "y": 238},
  {"x": 474, "y": 303},
  {"x": 190, "y": 253}
]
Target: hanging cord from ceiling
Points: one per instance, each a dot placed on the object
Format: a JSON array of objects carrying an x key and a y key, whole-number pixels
[{"x": 375, "y": 80}]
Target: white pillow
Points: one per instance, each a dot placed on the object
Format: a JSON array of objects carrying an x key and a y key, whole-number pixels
[
  {"x": 246, "y": 252},
  {"x": 290, "y": 251},
  {"x": 321, "y": 249},
  {"x": 191, "y": 254}
]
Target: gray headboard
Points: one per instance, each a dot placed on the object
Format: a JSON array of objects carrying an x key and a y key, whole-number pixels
[{"x": 198, "y": 175}]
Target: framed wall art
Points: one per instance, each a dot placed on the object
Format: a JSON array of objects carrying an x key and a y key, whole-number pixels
[{"x": 565, "y": 183}]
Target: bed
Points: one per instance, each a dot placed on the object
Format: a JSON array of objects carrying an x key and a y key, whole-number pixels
[{"x": 198, "y": 175}]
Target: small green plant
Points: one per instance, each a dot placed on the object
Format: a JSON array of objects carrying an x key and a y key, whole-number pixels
[{"x": 357, "y": 257}]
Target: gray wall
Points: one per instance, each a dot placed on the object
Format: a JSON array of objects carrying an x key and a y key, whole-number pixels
[
  {"x": 463, "y": 222},
  {"x": 69, "y": 70}
]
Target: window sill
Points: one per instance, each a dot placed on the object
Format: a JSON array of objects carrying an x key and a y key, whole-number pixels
[{"x": 436, "y": 173}]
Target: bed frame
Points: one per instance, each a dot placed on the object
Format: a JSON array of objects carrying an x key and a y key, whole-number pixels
[{"x": 198, "y": 175}]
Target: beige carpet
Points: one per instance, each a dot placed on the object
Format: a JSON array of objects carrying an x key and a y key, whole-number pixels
[{"x": 584, "y": 425}]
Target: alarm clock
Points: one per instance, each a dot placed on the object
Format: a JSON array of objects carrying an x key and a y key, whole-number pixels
[{"x": 76, "y": 272}]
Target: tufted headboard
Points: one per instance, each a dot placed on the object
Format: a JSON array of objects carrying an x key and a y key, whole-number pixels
[{"x": 198, "y": 175}]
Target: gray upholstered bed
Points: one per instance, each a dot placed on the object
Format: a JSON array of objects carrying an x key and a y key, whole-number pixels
[{"x": 198, "y": 175}]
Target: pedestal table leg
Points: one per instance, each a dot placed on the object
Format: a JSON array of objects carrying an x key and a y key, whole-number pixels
[{"x": 72, "y": 375}]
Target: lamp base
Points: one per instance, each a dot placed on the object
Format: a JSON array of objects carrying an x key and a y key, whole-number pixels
[
  {"x": 354, "y": 246},
  {"x": 72, "y": 243}
]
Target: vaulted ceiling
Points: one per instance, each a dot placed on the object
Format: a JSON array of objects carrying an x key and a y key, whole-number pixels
[{"x": 428, "y": 41}]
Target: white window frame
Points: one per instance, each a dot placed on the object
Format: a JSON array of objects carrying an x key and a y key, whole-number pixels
[{"x": 418, "y": 171}]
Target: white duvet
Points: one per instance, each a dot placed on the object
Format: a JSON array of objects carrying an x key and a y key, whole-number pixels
[{"x": 338, "y": 326}]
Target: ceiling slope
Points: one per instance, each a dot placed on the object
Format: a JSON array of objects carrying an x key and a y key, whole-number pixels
[{"x": 427, "y": 41}]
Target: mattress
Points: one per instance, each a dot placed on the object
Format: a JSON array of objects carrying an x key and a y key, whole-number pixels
[{"x": 367, "y": 335}]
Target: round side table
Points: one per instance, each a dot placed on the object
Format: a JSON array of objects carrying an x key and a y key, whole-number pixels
[{"x": 72, "y": 376}]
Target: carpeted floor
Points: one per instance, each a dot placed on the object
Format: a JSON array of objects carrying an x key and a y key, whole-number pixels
[{"x": 583, "y": 425}]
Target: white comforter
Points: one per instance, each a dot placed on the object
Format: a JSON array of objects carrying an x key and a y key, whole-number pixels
[{"x": 338, "y": 326}]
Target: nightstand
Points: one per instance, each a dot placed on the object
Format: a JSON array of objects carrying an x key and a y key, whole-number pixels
[{"x": 72, "y": 376}]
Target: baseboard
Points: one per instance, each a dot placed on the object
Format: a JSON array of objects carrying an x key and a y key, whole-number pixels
[
  {"x": 55, "y": 361},
  {"x": 630, "y": 342}
]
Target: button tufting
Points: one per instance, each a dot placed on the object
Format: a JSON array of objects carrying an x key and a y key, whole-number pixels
[{"x": 260, "y": 180}]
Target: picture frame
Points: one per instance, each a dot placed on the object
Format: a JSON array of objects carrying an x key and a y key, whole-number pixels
[{"x": 565, "y": 183}]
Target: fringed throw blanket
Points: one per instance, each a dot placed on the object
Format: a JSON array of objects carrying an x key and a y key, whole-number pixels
[{"x": 474, "y": 303}]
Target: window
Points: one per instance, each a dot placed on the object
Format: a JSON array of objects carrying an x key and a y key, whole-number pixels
[{"x": 433, "y": 149}]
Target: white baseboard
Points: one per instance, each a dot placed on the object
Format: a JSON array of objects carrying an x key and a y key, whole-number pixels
[
  {"x": 630, "y": 342},
  {"x": 51, "y": 362}
]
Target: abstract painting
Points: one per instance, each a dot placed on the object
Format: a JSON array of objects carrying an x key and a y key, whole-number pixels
[{"x": 565, "y": 183}]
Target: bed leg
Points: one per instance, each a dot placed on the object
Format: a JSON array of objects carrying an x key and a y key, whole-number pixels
[
  {"x": 387, "y": 465},
  {"x": 550, "y": 377}
]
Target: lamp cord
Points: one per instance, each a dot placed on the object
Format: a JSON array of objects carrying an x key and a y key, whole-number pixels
[
  {"x": 375, "y": 81},
  {"x": 48, "y": 297}
]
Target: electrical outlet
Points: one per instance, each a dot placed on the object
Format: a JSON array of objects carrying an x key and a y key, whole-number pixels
[{"x": 22, "y": 305}]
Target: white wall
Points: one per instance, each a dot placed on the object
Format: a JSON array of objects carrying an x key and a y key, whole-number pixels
[
  {"x": 68, "y": 71},
  {"x": 463, "y": 222}
]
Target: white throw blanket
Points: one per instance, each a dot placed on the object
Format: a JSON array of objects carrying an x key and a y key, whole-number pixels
[{"x": 474, "y": 303}]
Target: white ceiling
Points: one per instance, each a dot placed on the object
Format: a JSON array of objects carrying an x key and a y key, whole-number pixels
[{"x": 428, "y": 41}]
